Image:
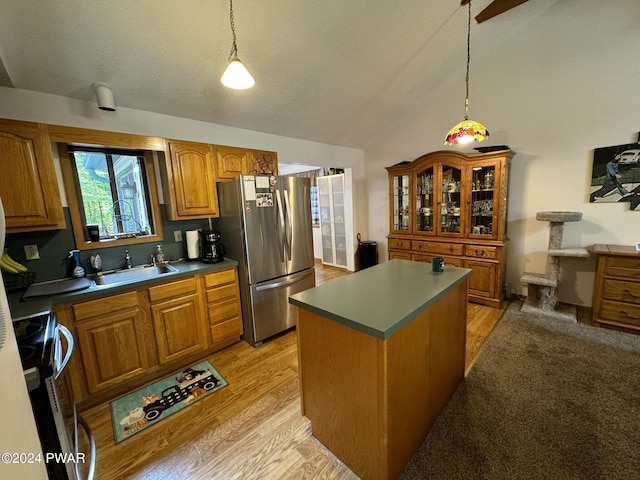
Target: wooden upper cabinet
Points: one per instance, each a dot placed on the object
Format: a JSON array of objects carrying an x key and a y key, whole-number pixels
[
  {"x": 231, "y": 162},
  {"x": 234, "y": 161},
  {"x": 263, "y": 162},
  {"x": 28, "y": 186},
  {"x": 189, "y": 180}
]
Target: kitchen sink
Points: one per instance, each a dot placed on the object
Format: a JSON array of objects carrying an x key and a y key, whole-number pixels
[{"x": 142, "y": 272}]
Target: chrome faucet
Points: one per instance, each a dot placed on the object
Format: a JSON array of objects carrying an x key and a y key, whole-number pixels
[{"x": 127, "y": 259}]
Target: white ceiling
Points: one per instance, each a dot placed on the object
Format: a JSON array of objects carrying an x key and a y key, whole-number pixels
[{"x": 331, "y": 71}]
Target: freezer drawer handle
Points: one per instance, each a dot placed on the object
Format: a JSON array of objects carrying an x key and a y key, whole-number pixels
[{"x": 279, "y": 284}]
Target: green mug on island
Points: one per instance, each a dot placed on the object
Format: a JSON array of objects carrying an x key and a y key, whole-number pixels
[{"x": 437, "y": 264}]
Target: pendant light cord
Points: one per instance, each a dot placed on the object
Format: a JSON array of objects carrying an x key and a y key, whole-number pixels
[
  {"x": 466, "y": 101},
  {"x": 234, "y": 49}
]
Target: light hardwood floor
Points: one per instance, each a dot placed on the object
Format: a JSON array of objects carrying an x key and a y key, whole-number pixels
[{"x": 251, "y": 429}]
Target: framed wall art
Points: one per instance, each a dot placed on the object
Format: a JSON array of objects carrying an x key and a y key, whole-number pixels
[{"x": 616, "y": 175}]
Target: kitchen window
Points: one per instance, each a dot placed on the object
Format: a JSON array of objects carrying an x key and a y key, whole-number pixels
[{"x": 114, "y": 189}]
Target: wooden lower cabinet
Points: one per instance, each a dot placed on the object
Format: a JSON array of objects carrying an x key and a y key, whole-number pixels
[
  {"x": 111, "y": 338},
  {"x": 178, "y": 323},
  {"x": 486, "y": 261},
  {"x": 223, "y": 306},
  {"x": 128, "y": 339}
]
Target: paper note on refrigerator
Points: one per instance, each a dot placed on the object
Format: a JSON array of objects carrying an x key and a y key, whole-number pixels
[
  {"x": 249, "y": 189},
  {"x": 262, "y": 182}
]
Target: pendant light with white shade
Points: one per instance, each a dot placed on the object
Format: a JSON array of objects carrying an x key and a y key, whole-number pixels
[
  {"x": 468, "y": 130},
  {"x": 236, "y": 75}
]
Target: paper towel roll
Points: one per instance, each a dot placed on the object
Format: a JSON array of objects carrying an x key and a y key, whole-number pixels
[{"x": 193, "y": 250}]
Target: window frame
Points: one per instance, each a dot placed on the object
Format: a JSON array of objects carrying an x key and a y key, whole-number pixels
[{"x": 72, "y": 189}]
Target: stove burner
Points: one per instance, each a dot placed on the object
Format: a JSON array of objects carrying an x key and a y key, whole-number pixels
[
  {"x": 29, "y": 332},
  {"x": 26, "y": 352},
  {"x": 35, "y": 337}
]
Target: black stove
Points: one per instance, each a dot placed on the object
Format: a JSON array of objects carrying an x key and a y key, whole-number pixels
[{"x": 35, "y": 337}]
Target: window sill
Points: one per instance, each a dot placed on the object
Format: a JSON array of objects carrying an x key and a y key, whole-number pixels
[{"x": 113, "y": 242}]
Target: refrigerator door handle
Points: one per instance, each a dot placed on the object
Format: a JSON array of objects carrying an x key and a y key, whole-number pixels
[
  {"x": 282, "y": 230},
  {"x": 288, "y": 225}
]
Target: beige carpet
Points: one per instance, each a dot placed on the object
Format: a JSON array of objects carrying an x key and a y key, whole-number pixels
[{"x": 545, "y": 400}]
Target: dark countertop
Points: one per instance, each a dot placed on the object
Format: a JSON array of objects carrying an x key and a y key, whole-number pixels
[
  {"x": 20, "y": 309},
  {"x": 380, "y": 300}
]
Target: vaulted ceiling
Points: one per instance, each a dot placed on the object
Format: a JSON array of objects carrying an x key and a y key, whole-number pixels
[{"x": 331, "y": 71}]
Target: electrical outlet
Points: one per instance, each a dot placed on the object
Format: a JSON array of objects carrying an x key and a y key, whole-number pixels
[
  {"x": 31, "y": 252},
  {"x": 177, "y": 235}
]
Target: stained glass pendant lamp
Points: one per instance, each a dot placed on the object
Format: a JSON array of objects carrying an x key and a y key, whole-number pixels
[
  {"x": 236, "y": 75},
  {"x": 467, "y": 130}
]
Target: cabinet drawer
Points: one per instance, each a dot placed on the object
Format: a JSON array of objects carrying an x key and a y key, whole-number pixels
[
  {"x": 479, "y": 251},
  {"x": 621, "y": 313},
  {"x": 228, "y": 330},
  {"x": 438, "y": 248},
  {"x": 220, "y": 278},
  {"x": 105, "y": 305},
  {"x": 623, "y": 267},
  {"x": 418, "y": 257},
  {"x": 400, "y": 244},
  {"x": 172, "y": 289},
  {"x": 221, "y": 293},
  {"x": 223, "y": 310},
  {"x": 399, "y": 255},
  {"x": 621, "y": 291}
]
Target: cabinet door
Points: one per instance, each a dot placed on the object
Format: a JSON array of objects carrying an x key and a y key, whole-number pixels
[
  {"x": 231, "y": 162},
  {"x": 449, "y": 208},
  {"x": 113, "y": 348},
  {"x": 179, "y": 328},
  {"x": 483, "y": 279},
  {"x": 485, "y": 202},
  {"x": 425, "y": 203},
  {"x": 262, "y": 162},
  {"x": 191, "y": 181},
  {"x": 401, "y": 208},
  {"x": 28, "y": 185},
  {"x": 331, "y": 203}
]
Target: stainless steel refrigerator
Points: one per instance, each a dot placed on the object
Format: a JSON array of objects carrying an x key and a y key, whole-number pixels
[{"x": 265, "y": 223}]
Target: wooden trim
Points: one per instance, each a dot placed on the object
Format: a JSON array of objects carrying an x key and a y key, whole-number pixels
[
  {"x": 74, "y": 207},
  {"x": 100, "y": 138}
]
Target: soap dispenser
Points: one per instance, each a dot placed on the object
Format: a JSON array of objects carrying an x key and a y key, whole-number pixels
[
  {"x": 96, "y": 263},
  {"x": 159, "y": 255},
  {"x": 77, "y": 270}
]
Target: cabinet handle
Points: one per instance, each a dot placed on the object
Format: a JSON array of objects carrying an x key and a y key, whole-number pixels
[
  {"x": 419, "y": 247},
  {"x": 628, "y": 293},
  {"x": 632, "y": 317},
  {"x": 450, "y": 249},
  {"x": 480, "y": 253}
]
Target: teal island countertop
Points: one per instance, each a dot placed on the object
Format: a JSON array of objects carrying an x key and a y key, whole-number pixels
[{"x": 380, "y": 300}]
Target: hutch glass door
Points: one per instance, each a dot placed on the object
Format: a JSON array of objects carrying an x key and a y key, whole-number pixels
[
  {"x": 451, "y": 201},
  {"x": 401, "y": 210},
  {"x": 482, "y": 201},
  {"x": 424, "y": 201}
]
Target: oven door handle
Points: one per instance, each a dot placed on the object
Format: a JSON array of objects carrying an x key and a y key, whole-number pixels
[
  {"x": 61, "y": 363},
  {"x": 92, "y": 442}
]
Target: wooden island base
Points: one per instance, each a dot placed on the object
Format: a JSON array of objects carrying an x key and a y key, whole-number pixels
[{"x": 372, "y": 401}]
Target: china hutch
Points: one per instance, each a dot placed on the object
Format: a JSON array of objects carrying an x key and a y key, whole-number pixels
[{"x": 453, "y": 205}]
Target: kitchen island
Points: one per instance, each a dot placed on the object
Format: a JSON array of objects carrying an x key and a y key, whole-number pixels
[{"x": 380, "y": 353}]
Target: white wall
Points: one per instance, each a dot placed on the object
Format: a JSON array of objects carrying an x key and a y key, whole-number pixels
[{"x": 566, "y": 84}]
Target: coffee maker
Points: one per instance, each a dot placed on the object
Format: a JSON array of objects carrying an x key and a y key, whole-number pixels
[{"x": 212, "y": 250}]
